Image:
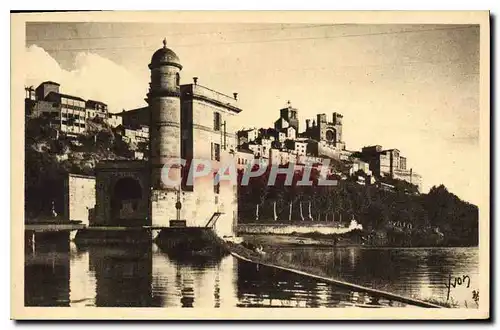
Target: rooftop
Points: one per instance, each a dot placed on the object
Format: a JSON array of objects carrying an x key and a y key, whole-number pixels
[
  {"x": 213, "y": 96},
  {"x": 96, "y": 102},
  {"x": 125, "y": 112},
  {"x": 66, "y": 96},
  {"x": 49, "y": 82},
  {"x": 165, "y": 56},
  {"x": 248, "y": 151}
]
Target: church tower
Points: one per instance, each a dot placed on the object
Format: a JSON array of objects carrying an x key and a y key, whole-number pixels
[
  {"x": 165, "y": 109},
  {"x": 289, "y": 113}
]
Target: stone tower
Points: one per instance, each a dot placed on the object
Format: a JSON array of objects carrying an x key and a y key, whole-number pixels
[
  {"x": 331, "y": 132},
  {"x": 289, "y": 113},
  {"x": 165, "y": 109}
]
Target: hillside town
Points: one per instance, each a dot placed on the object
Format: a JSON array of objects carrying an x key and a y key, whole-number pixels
[
  {"x": 282, "y": 144},
  {"x": 105, "y": 168}
]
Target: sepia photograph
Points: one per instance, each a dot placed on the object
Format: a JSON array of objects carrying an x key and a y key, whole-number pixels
[{"x": 197, "y": 165}]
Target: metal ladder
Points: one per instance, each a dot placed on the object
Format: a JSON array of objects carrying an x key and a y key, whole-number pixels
[{"x": 211, "y": 222}]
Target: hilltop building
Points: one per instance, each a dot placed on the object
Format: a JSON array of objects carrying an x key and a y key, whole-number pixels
[
  {"x": 247, "y": 135},
  {"x": 288, "y": 117},
  {"x": 389, "y": 163},
  {"x": 327, "y": 131},
  {"x": 67, "y": 113}
]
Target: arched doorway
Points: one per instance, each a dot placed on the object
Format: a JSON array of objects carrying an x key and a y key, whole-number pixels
[{"x": 126, "y": 198}]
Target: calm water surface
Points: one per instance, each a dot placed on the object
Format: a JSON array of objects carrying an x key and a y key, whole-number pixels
[
  {"x": 422, "y": 273},
  {"x": 145, "y": 276}
]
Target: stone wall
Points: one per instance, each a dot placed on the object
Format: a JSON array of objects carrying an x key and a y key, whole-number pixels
[
  {"x": 198, "y": 206},
  {"x": 285, "y": 229},
  {"x": 80, "y": 197}
]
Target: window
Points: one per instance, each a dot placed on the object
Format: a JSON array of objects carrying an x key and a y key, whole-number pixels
[
  {"x": 177, "y": 79},
  {"x": 216, "y": 151},
  {"x": 217, "y": 121},
  {"x": 216, "y": 183},
  {"x": 403, "y": 163}
]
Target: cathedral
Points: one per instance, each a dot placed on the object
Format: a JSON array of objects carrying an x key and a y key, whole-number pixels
[{"x": 321, "y": 130}]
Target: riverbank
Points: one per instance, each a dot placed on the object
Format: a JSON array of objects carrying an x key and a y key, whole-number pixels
[
  {"x": 269, "y": 240},
  {"x": 351, "y": 238},
  {"x": 392, "y": 270},
  {"x": 272, "y": 258}
]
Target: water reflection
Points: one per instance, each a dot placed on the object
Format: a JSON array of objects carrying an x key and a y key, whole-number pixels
[
  {"x": 268, "y": 287},
  {"x": 411, "y": 272},
  {"x": 46, "y": 268},
  {"x": 123, "y": 276},
  {"x": 59, "y": 273}
]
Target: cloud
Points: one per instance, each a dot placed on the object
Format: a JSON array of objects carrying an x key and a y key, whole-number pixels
[{"x": 94, "y": 77}]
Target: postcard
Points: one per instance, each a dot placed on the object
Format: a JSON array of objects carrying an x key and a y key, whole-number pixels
[{"x": 214, "y": 165}]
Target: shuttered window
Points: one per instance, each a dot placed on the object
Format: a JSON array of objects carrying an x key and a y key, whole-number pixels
[
  {"x": 216, "y": 151},
  {"x": 217, "y": 121}
]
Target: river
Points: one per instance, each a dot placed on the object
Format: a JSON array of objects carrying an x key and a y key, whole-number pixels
[{"x": 145, "y": 276}]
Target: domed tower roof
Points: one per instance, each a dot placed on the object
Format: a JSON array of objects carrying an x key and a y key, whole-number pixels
[{"x": 165, "y": 56}]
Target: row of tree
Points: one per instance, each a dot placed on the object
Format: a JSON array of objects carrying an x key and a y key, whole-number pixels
[{"x": 439, "y": 212}]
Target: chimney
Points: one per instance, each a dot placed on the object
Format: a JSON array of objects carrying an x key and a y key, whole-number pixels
[
  {"x": 195, "y": 79},
  {"x": 308, "y": 122},
  {"x": 235, "y": 96}
]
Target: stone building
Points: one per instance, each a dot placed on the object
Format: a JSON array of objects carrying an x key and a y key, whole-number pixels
[
  {"x": 389, "y": 163},
  {"x": 135, "y": 118},
  {"x": 134, "y": 136},
  {"x": 256, "y": 148},
  {"x": 247, "y": 135},
  {"x": 279, "y": 157},
  {"x": 297, "y": 147},
  {"x": 323, "y": 130},
  {"x": 288, "y": 117},
  {"x": 67, "y": 113},
  {"x": 96, "y": 109},
  {"x": 244, "y": 157},
  {"x": 190, "y": 122},
  {"x": 114, "y": 120}
]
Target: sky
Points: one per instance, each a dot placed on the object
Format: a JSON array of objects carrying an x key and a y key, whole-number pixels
[{"x": 410, "y": 87}]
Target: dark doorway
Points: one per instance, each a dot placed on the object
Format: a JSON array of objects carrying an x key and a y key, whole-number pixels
[{"x": 126, "y": 198}]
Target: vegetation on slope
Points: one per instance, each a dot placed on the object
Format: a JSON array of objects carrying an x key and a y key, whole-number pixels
[
  {"x": 397, "y": 217},
  {"x": 50, "y": 155}
]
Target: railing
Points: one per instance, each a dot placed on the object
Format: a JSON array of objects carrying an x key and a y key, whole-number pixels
[{"x": 214, "y": 95}]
